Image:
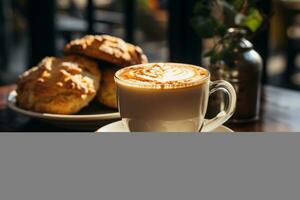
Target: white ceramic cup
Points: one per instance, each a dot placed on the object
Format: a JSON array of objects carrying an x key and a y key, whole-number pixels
[{"x": 145, "y": 108}]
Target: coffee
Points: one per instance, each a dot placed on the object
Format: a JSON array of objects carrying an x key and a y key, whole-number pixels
[
  {"x": 162, "y": 75},
  {"x": 162, "y": 96}
]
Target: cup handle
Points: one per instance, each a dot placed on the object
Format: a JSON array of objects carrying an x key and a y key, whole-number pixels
[{"x": 225, "y": 114}]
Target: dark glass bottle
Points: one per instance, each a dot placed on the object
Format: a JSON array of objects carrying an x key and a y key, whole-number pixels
[{"x": 240, "y": 65}]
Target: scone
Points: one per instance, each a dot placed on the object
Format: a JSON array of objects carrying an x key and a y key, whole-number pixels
[
  {"x": 113, "y": 53},
  {"x": 107, "y": 48},
  {"x": 59, "y": 85}
]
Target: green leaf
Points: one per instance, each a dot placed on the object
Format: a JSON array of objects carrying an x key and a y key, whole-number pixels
[
  {"x": 205, "y": 27},
  {"x": 209, "y": 53},
  {"x": 208, "y": 27},
  {"x": 222, "y": 29},
  {"x": 253, "y": 20},
  {"x": 215, "y": 57},
  {"x": 237, "y": 4},
  {"x": 201, "y": 9}
]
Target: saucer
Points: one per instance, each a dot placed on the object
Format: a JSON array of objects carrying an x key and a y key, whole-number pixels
[{"x": 119, "y": 127}]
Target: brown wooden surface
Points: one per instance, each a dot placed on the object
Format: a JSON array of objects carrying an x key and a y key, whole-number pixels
[{"x": 280, "y": 112}]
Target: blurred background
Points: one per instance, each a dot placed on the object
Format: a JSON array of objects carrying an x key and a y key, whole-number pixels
[{"x": 32, "y": 29}]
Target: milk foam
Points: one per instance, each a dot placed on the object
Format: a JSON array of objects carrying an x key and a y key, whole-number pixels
[{"x": 162, "y": 75}]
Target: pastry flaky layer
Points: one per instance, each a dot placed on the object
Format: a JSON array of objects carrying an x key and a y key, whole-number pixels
[
  {"x": 59, "y": 85},
  {"x": 162, "y": 75},
  {"x": 113, "y": 54}
]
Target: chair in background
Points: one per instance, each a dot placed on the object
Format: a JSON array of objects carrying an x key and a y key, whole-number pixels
[
  {"x": 45, "y": 24},
  {"x": 127, "y": 18},
  {"x": 88, "y": 20}
]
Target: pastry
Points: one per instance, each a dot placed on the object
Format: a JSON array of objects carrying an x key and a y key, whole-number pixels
[
  {"x": 112, "y": 53},
  {"x": 107, "y": 48},
  {"x": 59, "y": 85}
]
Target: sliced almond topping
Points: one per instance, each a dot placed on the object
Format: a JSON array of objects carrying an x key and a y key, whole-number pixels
[{"x": 60, "y": 84}]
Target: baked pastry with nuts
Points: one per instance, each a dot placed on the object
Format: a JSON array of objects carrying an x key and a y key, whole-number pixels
[
  {"x": 107, "y": 48},
  {"x": 59, "y": 85},
  {"x": 112, "y": 53}
]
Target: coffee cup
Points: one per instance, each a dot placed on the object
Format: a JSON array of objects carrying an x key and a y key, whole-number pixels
[{"x": 169, "y": 97}]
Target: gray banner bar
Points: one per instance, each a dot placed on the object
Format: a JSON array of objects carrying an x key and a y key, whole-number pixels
[{"x": 114, "y": 166}]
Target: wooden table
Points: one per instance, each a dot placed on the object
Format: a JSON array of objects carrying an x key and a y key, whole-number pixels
[{"x": 280, "y": 112}]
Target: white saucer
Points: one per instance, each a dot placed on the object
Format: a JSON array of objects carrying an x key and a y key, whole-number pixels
[{"x": 119, "y": 127}]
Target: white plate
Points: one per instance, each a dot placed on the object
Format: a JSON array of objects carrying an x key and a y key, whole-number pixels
[
  {"x": 119, "y": 127},
  {"x": 89, "y": 118}
]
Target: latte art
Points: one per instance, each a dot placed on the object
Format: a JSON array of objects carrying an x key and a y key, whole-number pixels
[{"x": 165, "y": 75}]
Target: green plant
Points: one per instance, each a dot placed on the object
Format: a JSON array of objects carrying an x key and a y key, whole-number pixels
[{"x": 214, "y": 17}]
